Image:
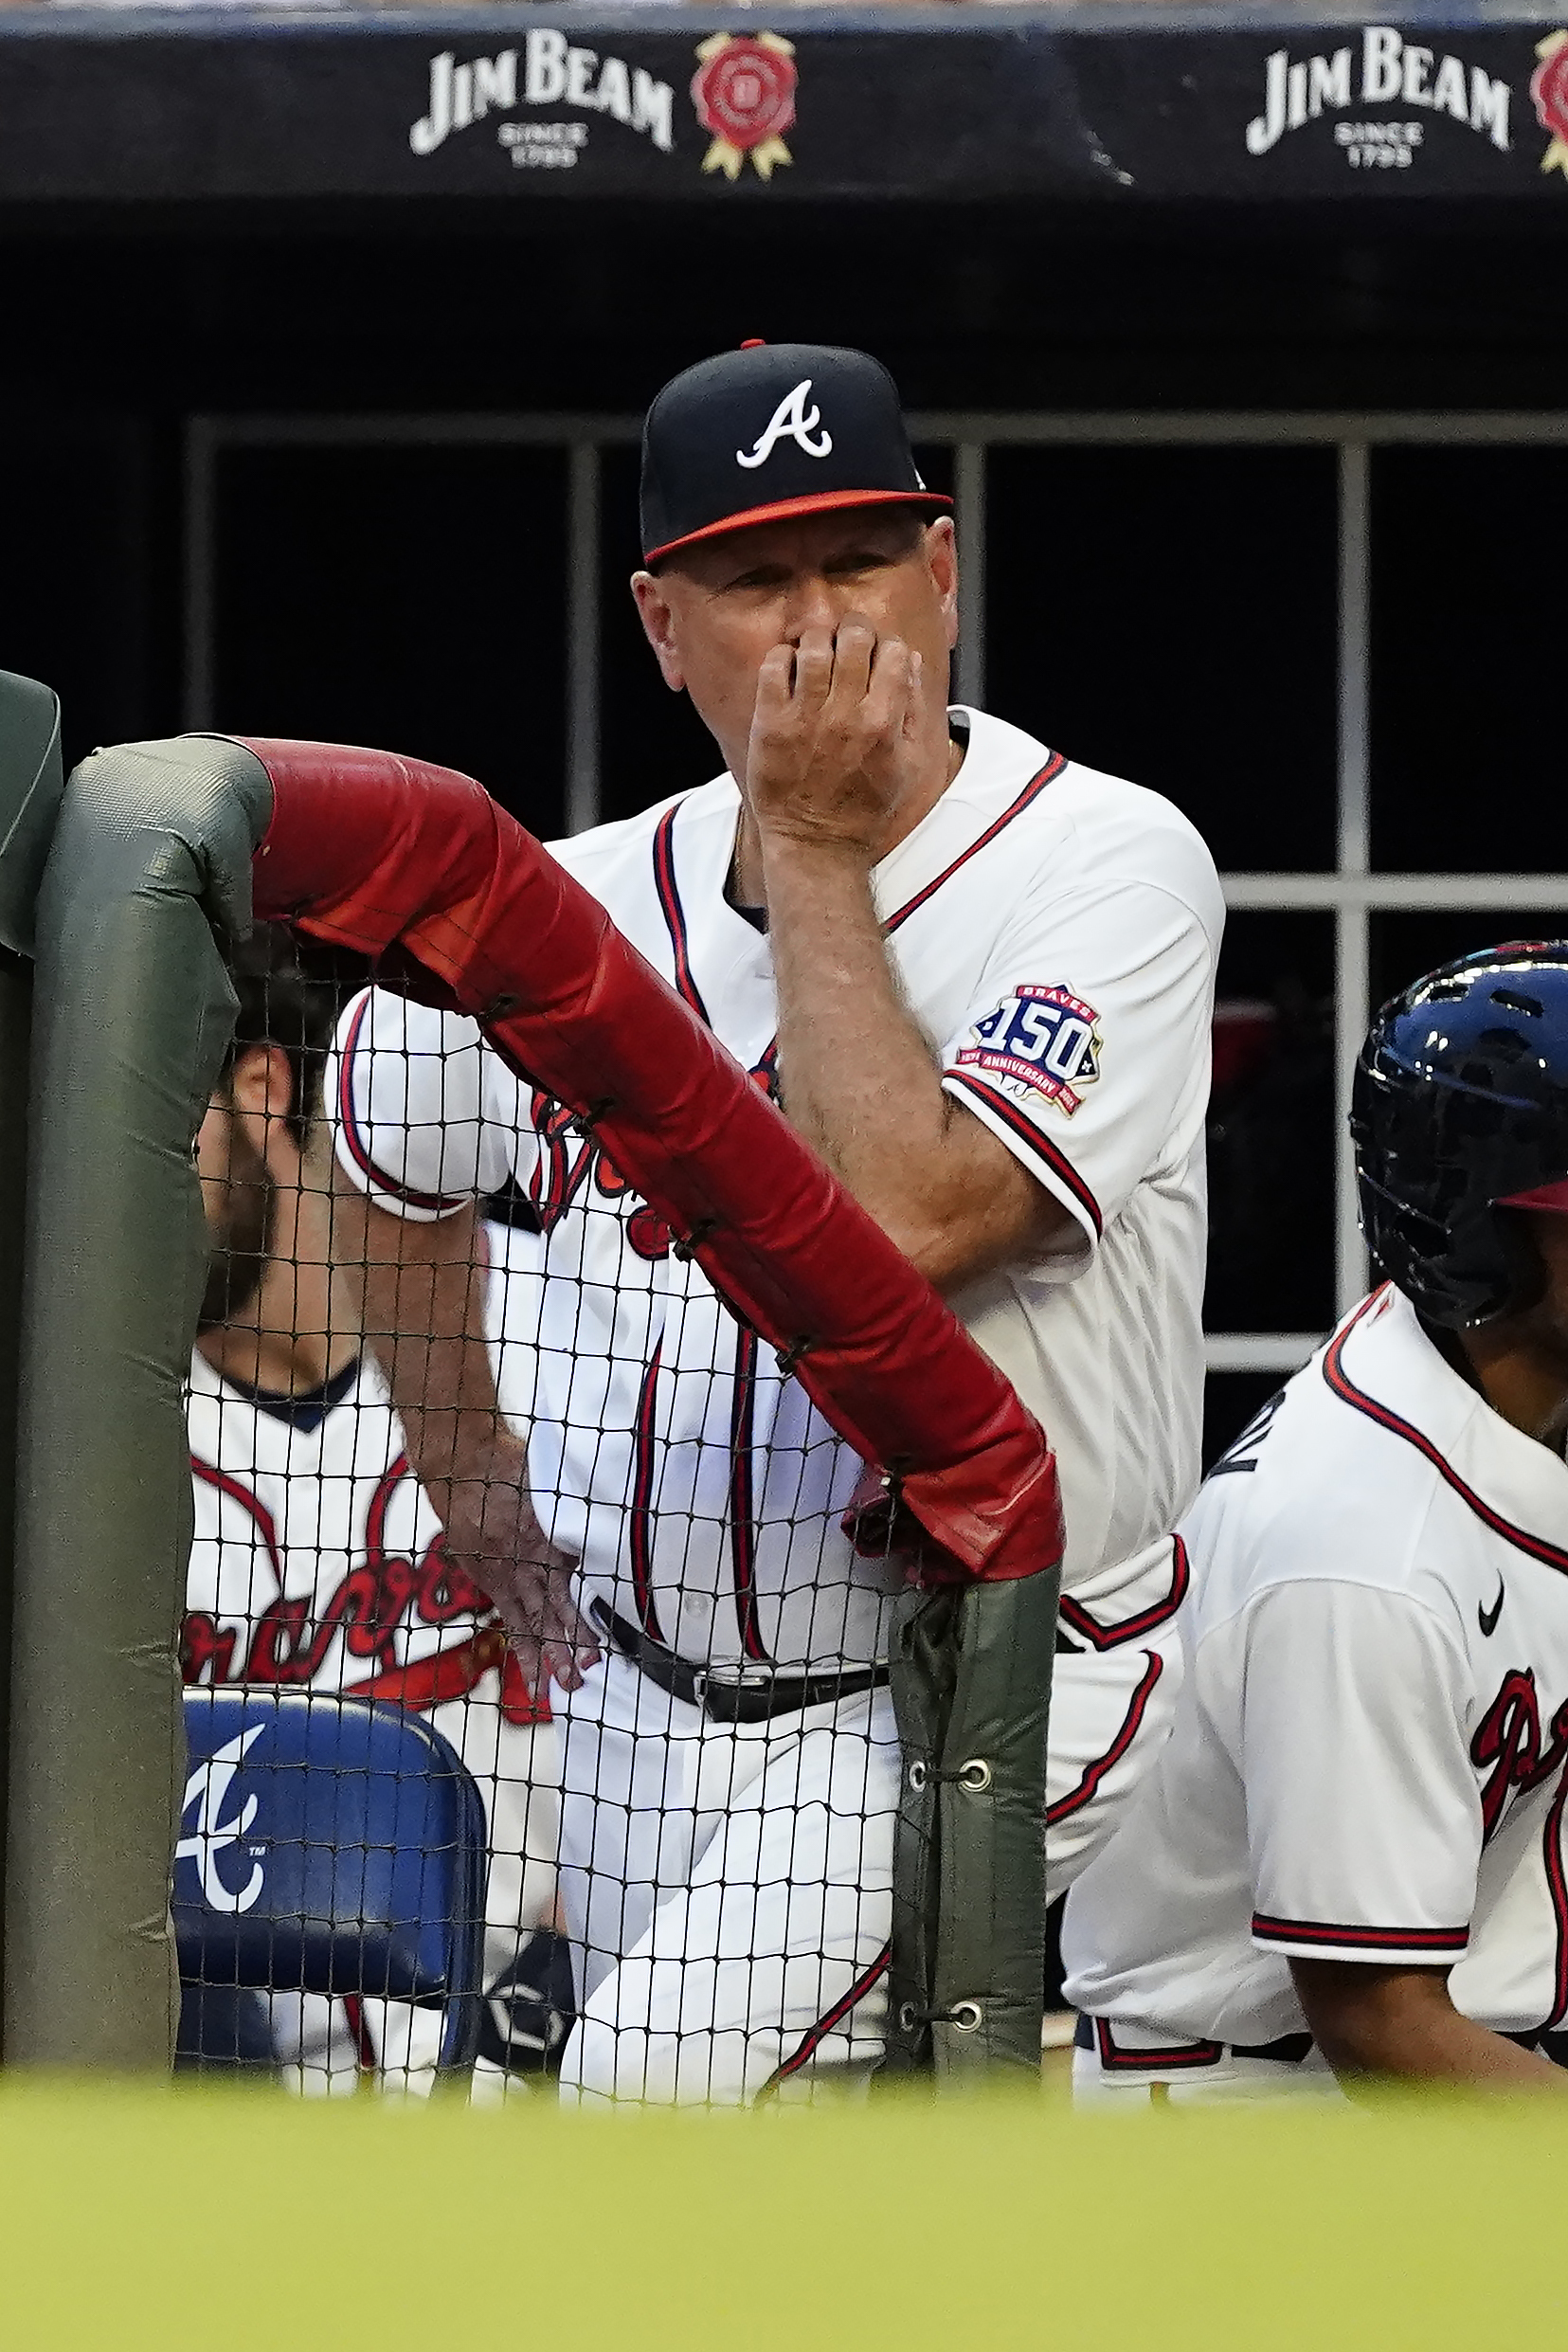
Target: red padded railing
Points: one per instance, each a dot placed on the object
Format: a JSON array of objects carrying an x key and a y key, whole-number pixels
[{"x": 378, "y": 853}]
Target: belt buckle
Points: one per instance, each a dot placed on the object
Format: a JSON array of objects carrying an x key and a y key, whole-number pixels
[{"x": 745, "y": 1674}]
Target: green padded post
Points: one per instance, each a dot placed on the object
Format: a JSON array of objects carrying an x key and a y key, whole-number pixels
[
  {"x": 31, "y": 785},
  {"x": 971, "y": 1684},
  {"x": 31, "y": 781},
  {"x": 133, "y": 1012}
]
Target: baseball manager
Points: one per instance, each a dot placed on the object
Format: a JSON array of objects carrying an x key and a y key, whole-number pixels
[{"x": 980, "y": 976}]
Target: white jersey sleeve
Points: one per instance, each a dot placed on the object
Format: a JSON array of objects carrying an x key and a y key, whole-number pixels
[
  {"x": 1364, "y": 1825},
  {"x": 1087, "y": 1048},
  {"x": 425, "y": 1117}
]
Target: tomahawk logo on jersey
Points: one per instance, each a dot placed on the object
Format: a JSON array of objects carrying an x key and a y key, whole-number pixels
[{"x": 1367, "y": 1759}]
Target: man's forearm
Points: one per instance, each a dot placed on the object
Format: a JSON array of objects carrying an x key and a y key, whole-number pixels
[
  {"x": 862, "y": 1083},
  {"x": 424, "y": 1322},
  {"x": 860, "y": 1080},
  {"x": 1400, "y": 2025}
]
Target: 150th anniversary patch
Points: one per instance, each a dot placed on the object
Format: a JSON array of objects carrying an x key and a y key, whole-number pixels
[{"x": 1039, "y": 1041}]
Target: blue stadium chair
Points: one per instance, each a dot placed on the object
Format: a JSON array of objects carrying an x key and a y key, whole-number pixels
[{"x": 326, "y": 1845}]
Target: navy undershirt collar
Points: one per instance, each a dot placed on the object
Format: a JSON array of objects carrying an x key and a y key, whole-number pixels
[{"x": 305, "y": 1412}]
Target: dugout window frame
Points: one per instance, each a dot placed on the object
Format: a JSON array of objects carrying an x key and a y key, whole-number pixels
[{"x": 1352, "y": 891}]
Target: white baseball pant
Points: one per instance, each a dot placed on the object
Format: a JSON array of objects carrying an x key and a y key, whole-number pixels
[{"x": 729, "y": 1887}]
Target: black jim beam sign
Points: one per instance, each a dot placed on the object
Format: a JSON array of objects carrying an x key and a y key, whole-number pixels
[{"x": 658, "y": 105}]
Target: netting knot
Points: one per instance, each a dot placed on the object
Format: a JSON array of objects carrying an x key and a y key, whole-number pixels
[
  {"x": 687, "y": 1246},
  {"x": 789, "y": 1357}
]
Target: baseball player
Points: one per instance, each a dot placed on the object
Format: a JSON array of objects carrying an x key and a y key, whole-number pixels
[
  {"x": 317, "y": 1562},
  {"x": 1348, "y": 1860},
  {"x": 980, "y": 977}
]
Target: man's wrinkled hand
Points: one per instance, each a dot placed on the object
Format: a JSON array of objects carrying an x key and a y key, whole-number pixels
[
  {"x": 834, "y": 731},
  {"x": 493, "y": 1533}
]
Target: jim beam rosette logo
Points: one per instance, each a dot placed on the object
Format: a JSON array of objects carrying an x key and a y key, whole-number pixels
[
  {"x": 1549, "y": 89},
  {"x": 744, "y": 91}
]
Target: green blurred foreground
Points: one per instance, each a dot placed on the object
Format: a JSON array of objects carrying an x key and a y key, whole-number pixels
[{"x": 135, "y": 2216}]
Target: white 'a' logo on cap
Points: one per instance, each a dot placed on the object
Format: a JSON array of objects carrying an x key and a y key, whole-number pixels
[{"x": 790, "y": 422}]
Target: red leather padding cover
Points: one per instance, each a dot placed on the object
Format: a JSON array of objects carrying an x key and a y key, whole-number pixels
[{"x": 374, "y": 852}]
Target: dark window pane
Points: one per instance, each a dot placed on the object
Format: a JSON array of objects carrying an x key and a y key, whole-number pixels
[
  {"x": 1230, "y": 1401},
  {"x": 82, "y": 595},
  {"x": 1470, "y": 606},
  {"x": 1271, "y": 1128},
  {"x": 651, "y": 741},
  {"x": 1169, "y": 614},
  {"x": 1405, "y": 946},
  {"x": 409, "y": 598}
]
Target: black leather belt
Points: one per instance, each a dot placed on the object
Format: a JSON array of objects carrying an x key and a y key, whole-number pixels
[
  {"x": 1289, "y": 2050},
  {"x": 738, "y": 1693}
]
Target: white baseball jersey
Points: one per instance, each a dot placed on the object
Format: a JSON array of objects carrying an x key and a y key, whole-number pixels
[
  {"x": 1054, "y": 932},
  {"x": 318, "y": 1560},
  {"x": 318, "y": 1563},
  {"x": 1366, "y": 1757}
]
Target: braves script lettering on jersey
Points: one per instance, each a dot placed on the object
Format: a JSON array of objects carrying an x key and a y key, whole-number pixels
[
  {"x": 1055, "y": 930},
  {"x": 1366, "y": 1760},
  {"x": 317, "y": 1562}
]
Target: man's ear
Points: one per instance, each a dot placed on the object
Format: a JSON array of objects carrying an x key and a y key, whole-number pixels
[
  {"x": 261, "y": 1082},
  {"x": 654, "y": 611},
  {"x": 941, "y": 557}
]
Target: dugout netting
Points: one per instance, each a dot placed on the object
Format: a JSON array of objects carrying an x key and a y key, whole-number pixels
[{"x": 773, "y": 1447}]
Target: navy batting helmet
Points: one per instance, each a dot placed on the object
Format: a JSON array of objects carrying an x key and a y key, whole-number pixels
[{"x": 1460, "y": 1111}]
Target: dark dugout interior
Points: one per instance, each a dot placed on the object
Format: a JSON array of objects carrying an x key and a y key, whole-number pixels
[{"x": 1165, "y": 612}]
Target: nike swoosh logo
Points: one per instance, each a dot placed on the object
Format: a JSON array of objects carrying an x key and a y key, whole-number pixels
[{"x": 1487, "y": 1618}]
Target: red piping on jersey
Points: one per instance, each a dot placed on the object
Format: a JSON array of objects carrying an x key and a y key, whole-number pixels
[
  {"x": 358, "y": 1150},
  {"x": 675, "y": 913},
  {"x": 266, "y": 1526},
  {"x": 1335, "y": 1933},
  {"x": 1032, "y": 1139},
  {"x": 816, "y": 2035},
  {"x": 1535, "y": 1546},
  {"x": 376, "y": 852},
  {"x": 1032, "y": 791},
  {"x": 1137, "y": 1708},
  {"x": 354, "y": 2009},
  {"x": 1556, "y": 1886},
  {"x": 639, "y": 1517},
  {"x": 1185, "y": 2055},
  {"x": 1133, "y": 1628},
  {"x": 743, "y": 1530}
]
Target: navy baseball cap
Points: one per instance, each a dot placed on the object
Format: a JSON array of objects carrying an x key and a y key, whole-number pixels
[{"x": 772, "y": 431}]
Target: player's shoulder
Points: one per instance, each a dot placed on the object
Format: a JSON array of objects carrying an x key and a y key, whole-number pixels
[
  {"x": 1084, "y": 828},
  {"x": 1341, "y": 1476}
]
